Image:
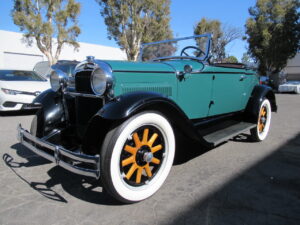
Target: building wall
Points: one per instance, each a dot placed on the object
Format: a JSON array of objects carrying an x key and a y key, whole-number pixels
[
  {"x": 293, "y": 68},
  {"x": 15, "y": 54}
]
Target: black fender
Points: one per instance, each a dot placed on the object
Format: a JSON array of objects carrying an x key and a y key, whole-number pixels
[
  {"x": 124, "y": 106},
  {"x": 50, "y": 113},
  {"x": 259, "y": 93}
]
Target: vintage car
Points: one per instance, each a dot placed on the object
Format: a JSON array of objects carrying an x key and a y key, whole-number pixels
[{"x": 119, "y": 121}]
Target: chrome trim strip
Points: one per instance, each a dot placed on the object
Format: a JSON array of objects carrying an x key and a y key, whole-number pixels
[
  {"x": 76, "y": 94},
  {"x": 59, "y": 151},
  {"x": 141, "y": 71}
]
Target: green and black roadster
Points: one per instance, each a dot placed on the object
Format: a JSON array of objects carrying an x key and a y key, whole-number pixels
[{"x": 118, "y": 120}]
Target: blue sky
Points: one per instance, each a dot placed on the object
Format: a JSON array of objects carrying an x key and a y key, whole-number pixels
[{"x": 184, "y": 16}]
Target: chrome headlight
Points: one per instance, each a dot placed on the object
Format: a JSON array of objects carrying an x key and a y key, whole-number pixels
[
  {"x": 101, "y": 79},
  {"x": 58, "y": 79}
]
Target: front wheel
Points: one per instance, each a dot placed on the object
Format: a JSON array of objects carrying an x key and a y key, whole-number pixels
[
  {"x": 136, "y": 157},
  {"x": 260, "y": 132}
]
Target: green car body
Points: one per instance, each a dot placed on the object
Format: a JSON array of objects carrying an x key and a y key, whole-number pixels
[
  {"x": 119, "y": 121},
  {"x": 194, "y": 93}
]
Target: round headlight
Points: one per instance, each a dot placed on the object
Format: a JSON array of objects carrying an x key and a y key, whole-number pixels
[
  {"x": 58, "y": 79},
  {"x": 101, "y": 79}
]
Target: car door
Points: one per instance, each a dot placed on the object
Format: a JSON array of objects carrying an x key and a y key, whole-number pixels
[
  {"x": 227, "y": 92},
  {"x": 194, "y": 91}
]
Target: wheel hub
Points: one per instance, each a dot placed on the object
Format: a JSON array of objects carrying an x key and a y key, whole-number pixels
[
  {"x": 148, "y": 156},
  {"x": 144, "y": 155}
]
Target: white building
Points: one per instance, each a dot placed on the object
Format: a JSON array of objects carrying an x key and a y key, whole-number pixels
[
  {"x": 15, "y": 54},
  {"x": 293, "y": 68}
]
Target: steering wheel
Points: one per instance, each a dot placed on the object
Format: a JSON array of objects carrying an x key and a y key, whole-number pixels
[{"x": 193, "y": 47}]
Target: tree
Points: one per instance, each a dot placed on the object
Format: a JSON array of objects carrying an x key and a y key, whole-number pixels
[
  {"x": 41, "y": 20},
  {"x": 273, "y": 33},
  {"x": 231, "y": 59},
  {"x": 248, "y": 61},
  {"x": 222, "y": 36},
  {"x": 133, "y": 22}
]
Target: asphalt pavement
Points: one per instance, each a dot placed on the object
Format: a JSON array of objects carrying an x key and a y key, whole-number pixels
[{"x": 239, "y": 182}]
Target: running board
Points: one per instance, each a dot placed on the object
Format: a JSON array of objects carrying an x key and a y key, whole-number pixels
[{"x": 217, "y": 137}]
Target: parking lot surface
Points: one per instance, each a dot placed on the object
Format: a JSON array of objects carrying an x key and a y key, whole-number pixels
[{"x": 239, "y": 182}]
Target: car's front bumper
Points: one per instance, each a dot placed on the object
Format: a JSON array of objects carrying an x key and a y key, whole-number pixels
[
  {"x": 72, "y": 161},
  {"x": 15, "y": 102}
]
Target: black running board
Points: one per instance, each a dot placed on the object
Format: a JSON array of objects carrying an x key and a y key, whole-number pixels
[{"x": 217, "y": 137}]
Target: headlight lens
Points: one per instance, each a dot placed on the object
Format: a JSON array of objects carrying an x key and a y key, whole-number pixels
[
  {"x": 101, "y": 79},
  {"x": 11, "y": 92},
  {"x": 58, "y": 79}
]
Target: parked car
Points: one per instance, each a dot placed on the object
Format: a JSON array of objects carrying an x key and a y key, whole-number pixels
[
  {"x": 119, "y": 121},
  {"x": 290, "y": 86},
  {"x": 19, "y": 88}
]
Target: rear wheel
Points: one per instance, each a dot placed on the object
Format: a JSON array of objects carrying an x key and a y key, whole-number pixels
[
  {"x": 136, "y": 157},
  {"x": 260, "y": 132}
]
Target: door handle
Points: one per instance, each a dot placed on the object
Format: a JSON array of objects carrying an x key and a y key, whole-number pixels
[{"x": 243, "y": 77}]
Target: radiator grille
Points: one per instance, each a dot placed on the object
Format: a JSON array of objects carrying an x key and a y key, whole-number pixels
[{"x": 83, "y": 83}]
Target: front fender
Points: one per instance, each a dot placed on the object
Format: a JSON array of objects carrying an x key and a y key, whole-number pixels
[
  {"x": 126, "y": 105},
  {"x": 50, "y": 113},
  {"x": 129, "y": 104}
]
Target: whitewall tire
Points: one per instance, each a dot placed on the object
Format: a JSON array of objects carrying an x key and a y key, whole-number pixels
[
  {"x": 260, "y": 132},
  {"x": 136, "y": 156}
]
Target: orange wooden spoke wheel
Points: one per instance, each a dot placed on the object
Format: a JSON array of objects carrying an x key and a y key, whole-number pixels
[
  {"x": 142, "y": 155},
  {"x": 262, "y": 119}
]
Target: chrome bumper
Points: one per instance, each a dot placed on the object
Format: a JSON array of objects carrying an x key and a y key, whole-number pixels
[{"x": 61, "y": 156}]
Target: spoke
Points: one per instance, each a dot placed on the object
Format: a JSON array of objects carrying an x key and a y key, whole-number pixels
[
  {"x": 156, "y": 148},
  {"x": 155, "y": 161},
  {"x": 131, "y": 171},
  {"x": 128, "y": 161},
  {"x": 260, "y": 127},
  {"x": 148, "y": 170},
  {"x": 152, "y": 139},
  {"x": 139, "y": 175},
  {"x": 136, "y": 140},
  {"x": 263, "y": 112},
  {"x": 130, "y": 149},
  {"x": 145, "y": 136}
]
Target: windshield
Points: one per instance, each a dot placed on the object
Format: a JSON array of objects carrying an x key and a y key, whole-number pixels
[
  {"x": 195, "y": 47},
  {"x": 19, "y": 75},
  {"x": 66, "y": 68}
]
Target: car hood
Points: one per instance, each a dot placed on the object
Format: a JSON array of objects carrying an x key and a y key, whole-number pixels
[{"x": 28, "y": 86}]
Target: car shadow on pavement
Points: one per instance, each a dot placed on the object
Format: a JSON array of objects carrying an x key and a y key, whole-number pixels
[
  {"x": 81, "y": 187},
  {"x": 265, "y": 193},
  {"x": 42, "y": 188},
  {"x": 242, "y": 138},
  {"x": 188, "y": 149}
]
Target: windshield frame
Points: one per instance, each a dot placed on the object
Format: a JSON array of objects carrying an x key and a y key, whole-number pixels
[{"x": 204, "y": 58}]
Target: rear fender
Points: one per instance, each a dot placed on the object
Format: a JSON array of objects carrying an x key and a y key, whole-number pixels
[{"x": 259, "y": 93}]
